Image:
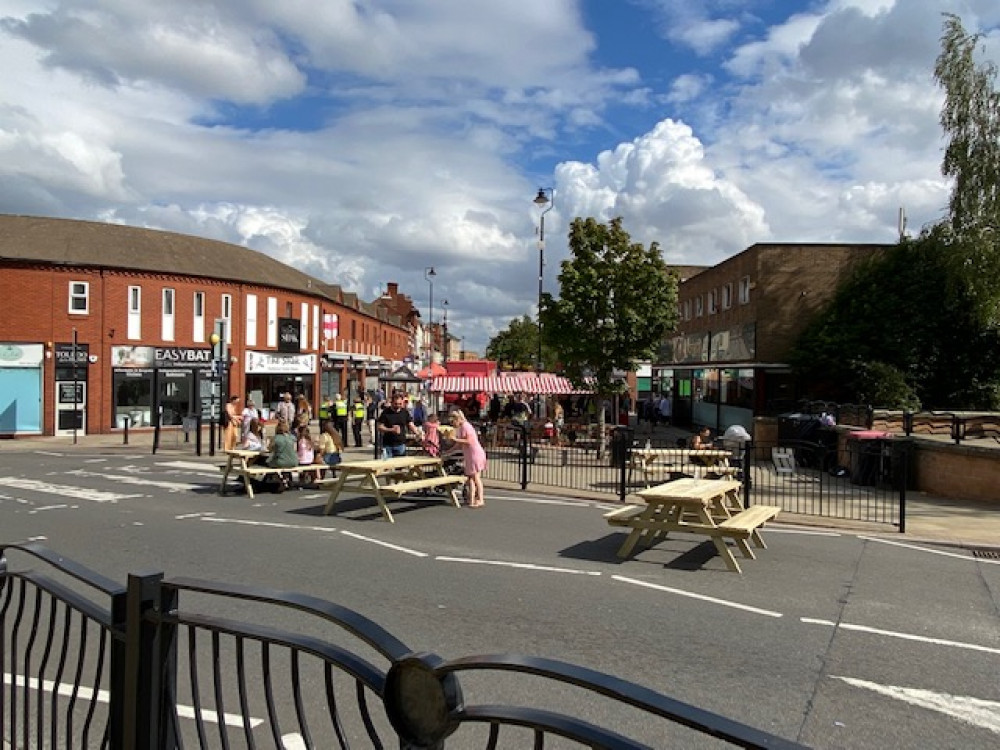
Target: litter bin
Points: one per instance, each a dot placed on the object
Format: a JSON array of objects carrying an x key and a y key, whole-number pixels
[{"x": 871, "y": 457}]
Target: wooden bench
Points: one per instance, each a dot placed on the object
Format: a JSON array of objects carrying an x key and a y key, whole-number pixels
[
  {"x": 260, "y": 471},
  {"x": 451, "y": 480},
  {"x": 624, "y": 515},
  {"x": 746, "y": 523}
]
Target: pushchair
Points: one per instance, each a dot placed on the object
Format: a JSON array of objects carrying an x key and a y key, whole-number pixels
[{"x": 450, "y": 455}]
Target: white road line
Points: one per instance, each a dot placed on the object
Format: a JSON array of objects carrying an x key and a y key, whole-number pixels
[
  {"x": 701, "y": 597},
  {"x": 102, "y": 696},
  {"x": 95, "y": 460},
  {"x": 975, "y": 711},
  {"x": 48, "y": 507},
  {"x": 902, "y": 636},
  {"x": 49, "y": 453},
  {"x": 65, "y": 490},
  {"x": 293, "y": 741},
  {"x": 128, "y": 479},
  {"x": 925, "y": 549},
  {"x": 772, "y": 529},
  {"x": 267, "y": 524},
  {"x": 379, "y": 542},
  {"x": 186, "y": 516},
  {"x": 520, "y": 566}
]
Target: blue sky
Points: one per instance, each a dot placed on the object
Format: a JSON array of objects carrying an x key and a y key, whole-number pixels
[{"x": 364, "y": 140}]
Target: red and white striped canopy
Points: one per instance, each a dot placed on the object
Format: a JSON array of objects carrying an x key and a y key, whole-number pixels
[{"x": 520, "y": 383}]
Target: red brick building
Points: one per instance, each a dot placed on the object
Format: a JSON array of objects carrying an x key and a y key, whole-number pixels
[{"x": 103, "y": 325}]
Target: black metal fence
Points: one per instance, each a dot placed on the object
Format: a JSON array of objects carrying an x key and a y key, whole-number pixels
[
  {"x": 163, "y": 663},
  {"x": 803, "y": 470}
]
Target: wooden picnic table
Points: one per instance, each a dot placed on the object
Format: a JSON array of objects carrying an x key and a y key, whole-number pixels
[
  {"x": 654, "y": 463},
  {"x": 711, "y": 507},
  {"x": 393, "y": 477},
  {"x": 238, "y": 462}
]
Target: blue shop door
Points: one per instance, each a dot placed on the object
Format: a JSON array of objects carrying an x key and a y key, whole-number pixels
[{"x": 20, "y": 399}]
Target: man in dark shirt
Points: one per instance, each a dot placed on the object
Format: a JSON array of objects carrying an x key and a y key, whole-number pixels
[{"x": 392, "y": 424}]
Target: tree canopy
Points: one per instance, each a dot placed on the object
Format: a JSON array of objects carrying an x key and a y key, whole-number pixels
[
  {"x": 516, "y": 345},
  {"x": 617, "y": 301}
]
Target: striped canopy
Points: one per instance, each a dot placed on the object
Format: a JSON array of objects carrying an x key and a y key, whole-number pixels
[{"x": 520, "y": 383}]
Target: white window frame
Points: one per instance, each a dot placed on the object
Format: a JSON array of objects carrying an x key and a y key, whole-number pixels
[
  {"x": 713, "y": 303},
  {"x": 699, "y": 306},
  {"x": 168, "y": 314},
  {"x": 303, "y": 326},
  {"x": 198, "y": 317},
  {"x": 744, "y": 290},
  {"x": 134, "y": 313},
  {"x": 251, "y": 337},
  {"x": 315, "y": 342},
  {"x": 79, "y": 290},
  {"x": 727, "y": 296},
  {"x": 227, "y": 315},
  {"x": 272, "y": 322}
]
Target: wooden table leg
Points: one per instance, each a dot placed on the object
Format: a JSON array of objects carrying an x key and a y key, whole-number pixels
[
  {"x": 720, "y": 543},
  {"x": 225, "y": 475},
  {"x": 382, "y": 504},
  {"x": 334, "y": 493}
]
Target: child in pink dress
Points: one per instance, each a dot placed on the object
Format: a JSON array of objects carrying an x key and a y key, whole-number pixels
[{"x": 474, "y": 457}]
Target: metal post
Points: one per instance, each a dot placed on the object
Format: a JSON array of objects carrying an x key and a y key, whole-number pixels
[
  {"x": 76, "y": 407},
  {"x": 197, "y": 437},
  {"x": 524, "y": 456},
  {"x": 128, "y": 421},
  {"x": 545, "y": 197}
]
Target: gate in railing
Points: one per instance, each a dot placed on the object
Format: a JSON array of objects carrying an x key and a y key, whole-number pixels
[
  {"x": 865, "y": 478},
  {"x": 186, "y": 663}
]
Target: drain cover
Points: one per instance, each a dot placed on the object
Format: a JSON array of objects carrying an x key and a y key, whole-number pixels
[{"x": 986, "y": 554}]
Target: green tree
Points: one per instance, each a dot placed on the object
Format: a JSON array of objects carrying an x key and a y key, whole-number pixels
[
  {"x": 516, "y": 345},
  {"x": 617, "y": 301},
  {"x": 970, "y": 118}
]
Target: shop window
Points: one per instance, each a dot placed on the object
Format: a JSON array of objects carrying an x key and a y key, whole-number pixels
[
  {"x": 133, "y": 397},
  {"x": 79, "y": 297}
]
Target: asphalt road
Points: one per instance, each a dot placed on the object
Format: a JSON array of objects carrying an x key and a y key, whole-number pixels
[{"x": 830, "y": 639}]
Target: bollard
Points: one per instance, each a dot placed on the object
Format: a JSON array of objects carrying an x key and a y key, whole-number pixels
[
  {"x": 128, "y": 421},
  {"x": 197, "y": 438}
]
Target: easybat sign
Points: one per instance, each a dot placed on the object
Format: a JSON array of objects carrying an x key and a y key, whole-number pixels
[{"x": 181, "y": 356}]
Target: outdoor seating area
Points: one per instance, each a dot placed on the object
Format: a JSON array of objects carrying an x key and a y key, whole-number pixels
[
  {"x": 245, "y": 465},
  {"x": 709, "y": 507},
  {"x": 654, "y": 465}
]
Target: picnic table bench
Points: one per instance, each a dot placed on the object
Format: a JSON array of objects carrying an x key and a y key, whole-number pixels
[
  {"x": 655, "y": 463},
  {"x": 393, "y": 477},
  {"x": 710, "y": 507},
  {"x": 240, "y": 464}
]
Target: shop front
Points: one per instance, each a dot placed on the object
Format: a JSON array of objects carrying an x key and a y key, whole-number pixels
[
  {"x": 147, "y": 380},
  {"x": 270, "y": 374},
  {"x": 21, "y": 388},
  {"x": 71, "y": 370}
]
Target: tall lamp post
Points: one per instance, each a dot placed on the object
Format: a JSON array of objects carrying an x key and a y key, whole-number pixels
[
  {"x": 429, "y": 274},
  {"x": 545, "y": 197},
  {"x": 444, "y": 333}
]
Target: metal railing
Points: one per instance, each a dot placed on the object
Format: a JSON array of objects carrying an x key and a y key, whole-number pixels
[
  {"x": 164, "y": 663},
  {"x": 957, "y": 426}
]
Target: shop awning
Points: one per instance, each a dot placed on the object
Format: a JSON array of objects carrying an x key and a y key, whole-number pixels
[{"x": 523, "y": 383}]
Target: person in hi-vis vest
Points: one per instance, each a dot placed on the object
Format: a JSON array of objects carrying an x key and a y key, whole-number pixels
[
  {"x": 357, "y": 420},
  {"x": 340, "y": 416}
]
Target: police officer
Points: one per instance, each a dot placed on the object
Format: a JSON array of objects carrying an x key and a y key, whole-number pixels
[
  {"x": 340, "y": 416},
  {"x": 358, "y": 417}
]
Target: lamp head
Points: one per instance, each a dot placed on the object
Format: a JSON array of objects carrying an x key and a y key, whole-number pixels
[
  {"x": 541, "y": 199},
  {"x": 214, "y": 339}
]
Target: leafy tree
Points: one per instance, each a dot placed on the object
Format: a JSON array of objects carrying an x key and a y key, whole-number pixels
[
  {"x": 617, "y": 302},
  {"x": 970, "y": 118},
  {"x": 517, "y": 345}
]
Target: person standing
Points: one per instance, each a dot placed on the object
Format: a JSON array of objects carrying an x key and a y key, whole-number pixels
[
  {"x": 340, "y": 416},
  {"x": 392, "y": 424},
  {"x": 358, "y": 415},
  {"x": 250, "y": 414},
  {"x": 233, "y": 419},
  {"x": 371, "y": 412},
  {"x": 473, "y": 455},
  {"x": 285, "y": 410},
  {"x": 419, "y": 413}
]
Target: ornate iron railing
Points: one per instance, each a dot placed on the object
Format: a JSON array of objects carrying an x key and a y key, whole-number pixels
[{"x": 146, "y": 669}]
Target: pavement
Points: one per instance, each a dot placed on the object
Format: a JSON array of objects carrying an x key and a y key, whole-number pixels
[{"x": 956, "y": 523}]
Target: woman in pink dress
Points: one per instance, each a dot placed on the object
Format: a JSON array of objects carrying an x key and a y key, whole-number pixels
[{"x": 473, "y": 454}]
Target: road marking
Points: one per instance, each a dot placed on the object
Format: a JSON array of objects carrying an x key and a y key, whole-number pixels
[
  {"x": 186, "y": 516},
  {"x": 520, "y": 566},
  {"x": 65, "y": 490},
  {"x": 975, "y": 711},
  {"x": 49, "y": 453},
  {"x": 126, "y": 479},
  {"x": 903, "y": 636},
  {"x": 701, "y": 597},
  {"x": 193, "y": 467},
  {"x": 102, "y": 696},
  {"x": 268, "y": 524},
  {"x": 293, "y": 741},
  {"x": 95, "y": 461},
  {"x": 48, "y": 507},
  {"x": 925, "y": 549},
  {"x": 396, "y": 547},
  {"x": 807, "y": 532}
]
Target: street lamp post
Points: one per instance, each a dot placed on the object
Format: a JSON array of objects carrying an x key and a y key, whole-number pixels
[
  {"x": 444, "y": 333},
  {"x": 545, "y": 197},
  {"x": 429, "y": 274}
]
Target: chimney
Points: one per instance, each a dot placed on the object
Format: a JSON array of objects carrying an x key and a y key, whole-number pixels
[{"x": 392, "y": 288}]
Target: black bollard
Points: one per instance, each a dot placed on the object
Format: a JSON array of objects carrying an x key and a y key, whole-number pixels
[{"x": 128, "y": 421}]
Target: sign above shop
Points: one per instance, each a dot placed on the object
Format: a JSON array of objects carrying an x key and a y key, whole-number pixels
[
  {"x": 64, "y": 354},
  {"x": 289, "y": 331},
  {"x": 156, "y": 356},
  {"x": 259, "y": 363},
  {"x": 20, "y": 355}
]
